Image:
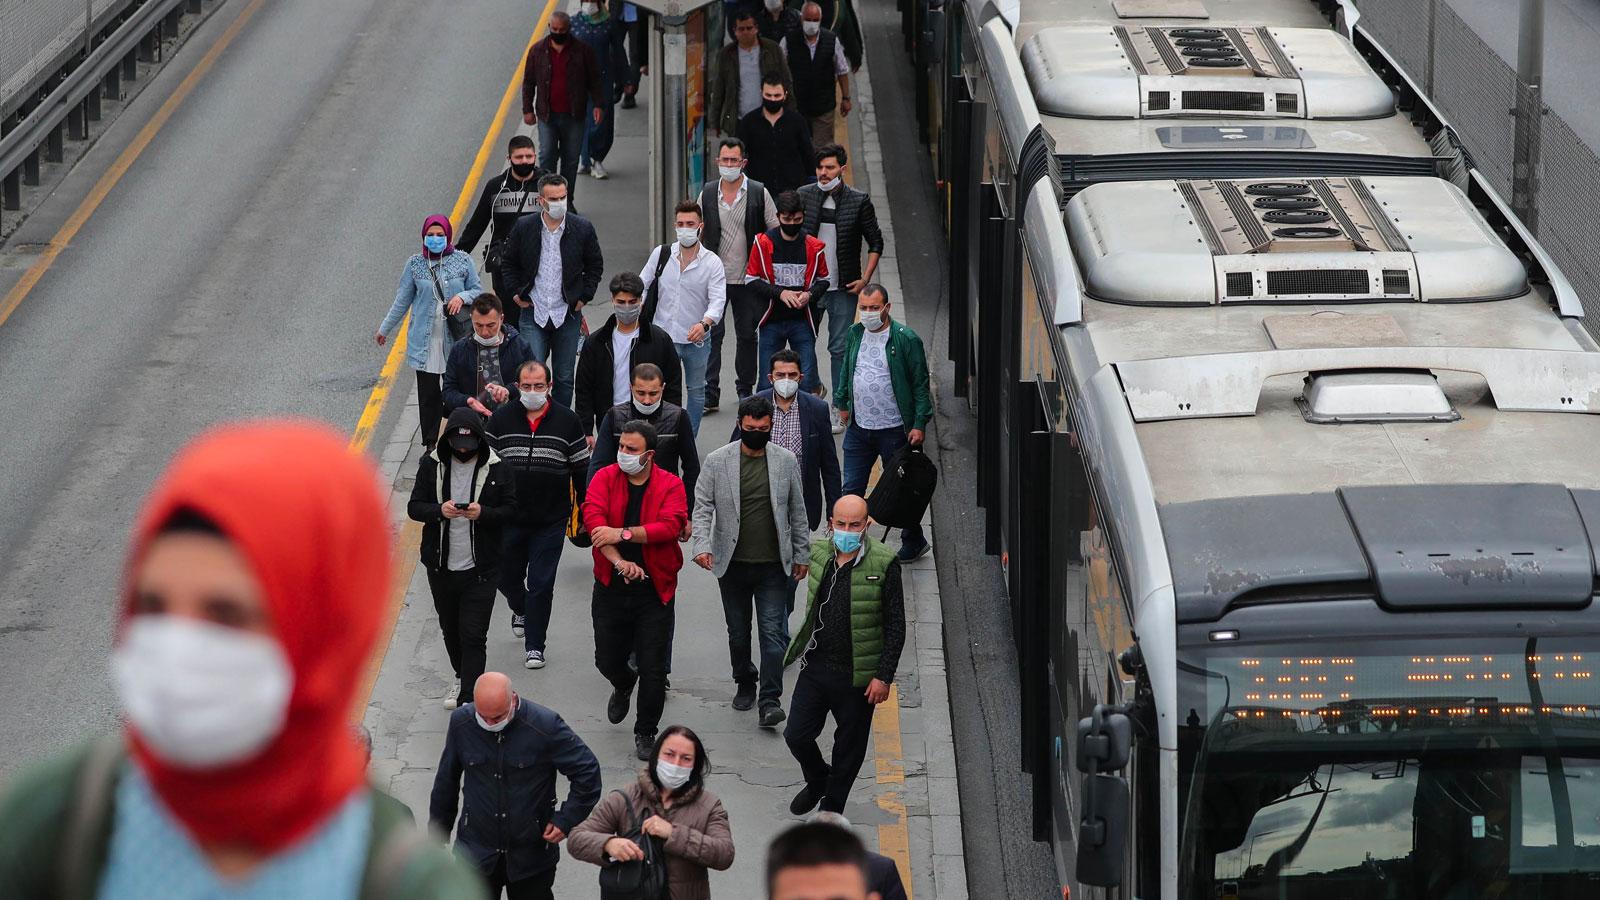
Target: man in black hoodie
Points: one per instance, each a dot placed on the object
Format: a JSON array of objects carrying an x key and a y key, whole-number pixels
[
  {"x": 506, "y": 198},
  {"x": 604, "y": 380},
  {"x": 543, "y": 445},
  {"x": 463, "y": 497}
]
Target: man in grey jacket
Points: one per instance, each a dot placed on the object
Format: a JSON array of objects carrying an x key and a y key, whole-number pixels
[{"x": 750, "y": 531}]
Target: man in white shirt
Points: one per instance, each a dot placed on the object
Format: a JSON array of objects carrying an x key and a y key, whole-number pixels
[
  {"x": 818, "y": 64},
  {"x": 686, "y": 296},
  {"x": 883, "y": 397}
]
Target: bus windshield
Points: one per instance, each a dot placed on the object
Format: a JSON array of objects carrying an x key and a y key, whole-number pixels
[{"x": 1463, "y": 769}]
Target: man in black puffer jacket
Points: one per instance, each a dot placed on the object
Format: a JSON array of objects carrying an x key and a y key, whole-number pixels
[
  {"x": 481, "y": 371},
  {"x": 509, "y": 750},
  {"x": 675, "y": 450},
  {"x": 463, "y": 497}
]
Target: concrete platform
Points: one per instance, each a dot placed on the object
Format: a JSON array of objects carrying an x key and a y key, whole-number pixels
[{"x": 905, "y": 804}]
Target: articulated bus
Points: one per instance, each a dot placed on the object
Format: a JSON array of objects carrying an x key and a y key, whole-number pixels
[{"x": 1288, "y": 448}]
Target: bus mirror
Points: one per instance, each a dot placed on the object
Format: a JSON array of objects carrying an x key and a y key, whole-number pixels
[
  {"x": 1103, "y": 830},
  {"x": 1104, "y": 741}
]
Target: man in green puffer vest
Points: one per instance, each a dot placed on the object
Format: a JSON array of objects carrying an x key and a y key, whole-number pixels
[{"x": 848, "y": 648}]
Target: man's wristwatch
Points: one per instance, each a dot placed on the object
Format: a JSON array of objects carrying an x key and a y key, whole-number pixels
[{"x": 627, "y": 534}]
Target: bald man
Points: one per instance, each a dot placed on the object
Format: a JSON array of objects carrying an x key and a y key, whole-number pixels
[
  {"x": 507, "y": 827},
  {"x": 848, "y": 649}
]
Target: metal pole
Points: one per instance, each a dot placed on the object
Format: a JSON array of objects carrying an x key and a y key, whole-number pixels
[
  {"x": 671, "y": 167},
  {"x": 655, "y": 100},
  {"x": 1530, "y": 106}
]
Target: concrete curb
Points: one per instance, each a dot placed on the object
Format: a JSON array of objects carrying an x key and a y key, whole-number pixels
[{"x": 933, "y": 801}]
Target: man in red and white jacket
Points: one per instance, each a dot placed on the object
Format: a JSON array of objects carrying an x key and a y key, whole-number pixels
[
  {"x": 789, "y": 269},
  {"x": 634, "y": 512}
]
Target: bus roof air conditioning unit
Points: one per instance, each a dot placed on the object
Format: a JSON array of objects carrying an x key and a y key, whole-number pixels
[
  {"x": 1120, "y": 72},
  {"x": 1313, "y": 240}
]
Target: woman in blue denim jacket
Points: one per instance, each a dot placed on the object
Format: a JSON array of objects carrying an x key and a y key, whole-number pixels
[{"x": 435, "y": 283}]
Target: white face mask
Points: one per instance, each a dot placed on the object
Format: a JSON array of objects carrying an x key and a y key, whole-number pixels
[
  {"x": 872, "y": 320},
  {"x": 688, "y": 237},
  {"x": 499, "y": 726},
  {"x": 786, "y": 387},
  {"x": 773, "y": 5},
  {"x": 672, "y": 775},
  {"x": 811, "y": 29},
  {"x": 630, "y": 463},
  {"x": 533, "y": 401},
  {"x": 489, "y": 341},
  {"x": 730, "y": 173},
  {"x": 646, "y": 409},
  {"x": 826, "y": 186},
  {"x": 557, "y": 209},
  {"x": 201, "y": 695},
  {"x": 589, "y": 9}
]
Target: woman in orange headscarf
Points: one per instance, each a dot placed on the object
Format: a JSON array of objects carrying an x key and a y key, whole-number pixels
[{"x": 256, "y": 582}]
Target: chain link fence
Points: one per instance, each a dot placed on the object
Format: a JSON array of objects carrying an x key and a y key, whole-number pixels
[
  {"x": 35, "y": 33},
  {"x": 1477, "y": 92}
]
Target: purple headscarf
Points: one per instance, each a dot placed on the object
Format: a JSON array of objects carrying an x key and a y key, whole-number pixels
[{"x": 449, "y": 234}]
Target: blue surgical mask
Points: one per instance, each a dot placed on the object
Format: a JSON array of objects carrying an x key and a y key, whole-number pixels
[
  {"x": 435, "y": 243},
  {"x": 846, "y": 541}
]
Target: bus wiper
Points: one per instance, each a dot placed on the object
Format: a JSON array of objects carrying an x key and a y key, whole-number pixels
[{"x": 1555, "y": 769}]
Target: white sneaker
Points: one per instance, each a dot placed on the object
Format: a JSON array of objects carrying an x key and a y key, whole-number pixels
[
  {"x": 450, "y": 698},
  {"x": 597, "y": 171},
  {"x": 833, "y": 419},
  {"x": 535, "y": 659}
]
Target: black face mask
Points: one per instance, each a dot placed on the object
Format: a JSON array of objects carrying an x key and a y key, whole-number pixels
[
  {"x": 560, "y": 37},
  {"x": 523, "y": 170},
  {"x": 464, "y": 451},
  {"x": 755, "y": 440},
  {"x": 789, "y": 232},
  {"x": 772, "y": 105}
]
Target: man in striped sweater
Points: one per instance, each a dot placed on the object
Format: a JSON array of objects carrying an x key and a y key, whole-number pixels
[{"x": 544, "y": 446}]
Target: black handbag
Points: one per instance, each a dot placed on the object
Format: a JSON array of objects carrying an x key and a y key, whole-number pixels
[
  {"x": 460, "y": 324},
  {"x": 904, "y": 489},
  {"x": 636, "y": 879}
]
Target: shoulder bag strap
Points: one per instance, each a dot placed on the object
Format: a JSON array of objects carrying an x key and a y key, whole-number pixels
[
  {"x": 663, "y": 256},
  {"x": 521, "y": 205},
  {"x": 91, "y": 804},
  {"x": 438, "y": 288}
]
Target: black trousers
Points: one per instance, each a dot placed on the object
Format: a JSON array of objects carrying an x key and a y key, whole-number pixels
[
  {"x": 534, "y": 887},
  {"x": 818, "y": 694},
  {"x": 628, "y": 621},
  {"x": 745, "y": 308},
  {"x": 503, "y": 290},
  {"x": 465, "y": 603},
  {"x": 430, "y": 405}
]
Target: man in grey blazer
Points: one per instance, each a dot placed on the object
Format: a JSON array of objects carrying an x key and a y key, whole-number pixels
[{"x": 750, "y": 531}]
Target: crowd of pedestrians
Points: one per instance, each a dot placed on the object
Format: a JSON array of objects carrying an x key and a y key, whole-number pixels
[{"x": 243, "y": 632}]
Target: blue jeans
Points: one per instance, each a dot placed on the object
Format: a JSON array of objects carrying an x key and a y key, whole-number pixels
[
  {"x": 597, "y": 139},
  {"x": 839, "y": 308},
  {"x": 694, "y": 357},
  {"x": 861, "y": 447},
  {"x": 772, "y": 591},
  {"x": 528, "y": 561},
  {"x": 558, "y": 346},
  {"x": 560, "y": 139},
  {"x": 798, "y": 334}
]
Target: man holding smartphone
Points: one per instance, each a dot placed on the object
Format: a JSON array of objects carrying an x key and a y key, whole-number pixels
[{"x": 463, "y": 497}]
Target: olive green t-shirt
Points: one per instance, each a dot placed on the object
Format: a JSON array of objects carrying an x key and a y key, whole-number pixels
[{"x": 758, "y": 530}]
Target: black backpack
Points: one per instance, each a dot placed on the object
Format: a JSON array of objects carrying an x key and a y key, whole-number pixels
[
  {"x": 636, "y": 879},
  {"x": 653, "y": 293},
  {"x": 904, "y": 489}
]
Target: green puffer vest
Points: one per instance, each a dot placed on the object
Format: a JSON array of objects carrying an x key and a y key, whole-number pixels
[{"x": 866, "y": 606}]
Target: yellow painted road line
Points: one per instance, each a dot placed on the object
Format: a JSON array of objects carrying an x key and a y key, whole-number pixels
[
  {"x": 120, "y": 167},
  {"x": 409, "y": 539}
]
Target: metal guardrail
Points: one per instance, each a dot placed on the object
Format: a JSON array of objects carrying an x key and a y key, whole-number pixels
[{"x": 75, "y": 102}]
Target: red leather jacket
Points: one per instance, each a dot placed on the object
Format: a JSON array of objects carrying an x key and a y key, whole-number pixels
[{"x": 663, "y": 515}]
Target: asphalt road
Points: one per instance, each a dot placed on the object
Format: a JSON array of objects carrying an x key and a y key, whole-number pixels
[{"x": 239, "y": 269}]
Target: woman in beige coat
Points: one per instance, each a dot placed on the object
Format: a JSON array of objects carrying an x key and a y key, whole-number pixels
[{"x": 671, "y": 797}]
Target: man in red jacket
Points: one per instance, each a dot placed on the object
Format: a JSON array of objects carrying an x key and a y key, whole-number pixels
[{"x": 634, "y": 513}]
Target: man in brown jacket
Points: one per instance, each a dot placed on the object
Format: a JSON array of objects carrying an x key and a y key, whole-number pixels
[
  {"x": 560, "y": 80},
  {"x": 741, "y": 68}
]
